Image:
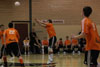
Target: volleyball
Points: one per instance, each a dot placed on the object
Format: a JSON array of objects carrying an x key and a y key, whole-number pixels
[{"x": 17, "y": 3}]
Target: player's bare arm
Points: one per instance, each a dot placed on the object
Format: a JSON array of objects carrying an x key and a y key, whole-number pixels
[
  {"x": 40, "y": 23},
  {"x": 82, "y": 35}
]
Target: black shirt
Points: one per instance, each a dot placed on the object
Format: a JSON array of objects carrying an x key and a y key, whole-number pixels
[{"x": 32, "y": 36}]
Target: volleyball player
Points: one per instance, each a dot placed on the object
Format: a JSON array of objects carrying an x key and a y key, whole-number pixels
[
  {"x": 11, "y": 39},
  {"x": 52, "y": 37},
  {"x": 89, "y": 31},
  {"x": 67, "y": 45}
]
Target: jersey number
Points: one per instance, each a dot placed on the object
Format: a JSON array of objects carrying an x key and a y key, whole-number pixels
[{"x": 11, "y": 32}]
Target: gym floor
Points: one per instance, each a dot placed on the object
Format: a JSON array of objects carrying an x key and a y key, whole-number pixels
[{"x": 37, "y": 60}]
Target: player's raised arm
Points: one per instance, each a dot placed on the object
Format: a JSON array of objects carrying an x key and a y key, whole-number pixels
[{"x": 40, "y": 23}]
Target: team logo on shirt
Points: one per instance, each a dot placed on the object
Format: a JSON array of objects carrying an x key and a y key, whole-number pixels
[{"x": 11, "y": 32}]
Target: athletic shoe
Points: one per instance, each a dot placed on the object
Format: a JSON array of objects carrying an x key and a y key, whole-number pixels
[
  {"x": 64, "y": 53},
  {"x": 78, "y": 52},
  {"x": 85, "y": 62},
  {"x": 58, "y": 53},
  {"x": 73, "y": 52}
]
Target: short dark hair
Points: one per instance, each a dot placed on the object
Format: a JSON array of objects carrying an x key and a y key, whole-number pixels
[
  {"x": 10, "y": 25},
  {"x": 60, "y": 39},
  {"x": 49, "y": 20},
  {"x": 87, "y": 11},
  {"x": 67, "y": 36}
]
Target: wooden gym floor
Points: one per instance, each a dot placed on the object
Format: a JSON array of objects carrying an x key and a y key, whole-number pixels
[{"x": 61, "y": 60}]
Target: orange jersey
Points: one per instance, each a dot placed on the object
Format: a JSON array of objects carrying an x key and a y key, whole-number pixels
[
  {"x": 74, "y": 42},
  {"x": 45, "y": 42},
  {"x": 1, "y": 36},
  {"x": 50, "y": 30},
  {"x": 67, "y": 42},
  {"x": 11, "y": 35},
  {"x": 26, "y": 42},
  {"x": 90, "y": 30}
]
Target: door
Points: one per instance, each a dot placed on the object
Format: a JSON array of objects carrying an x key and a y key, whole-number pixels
[{"x": 22, "y": 28}]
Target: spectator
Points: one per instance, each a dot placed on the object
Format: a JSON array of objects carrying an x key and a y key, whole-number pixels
[{"x": 67, "y": 45}]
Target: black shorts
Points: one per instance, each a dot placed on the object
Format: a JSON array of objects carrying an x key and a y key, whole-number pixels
[
  {"x": 52, "y": 41},
  {"x": 69, "y": 46},
  {"x": 75, "y": 46},
  {"x": 93, "y": 57},
  {"x": 13, "y": 48}
]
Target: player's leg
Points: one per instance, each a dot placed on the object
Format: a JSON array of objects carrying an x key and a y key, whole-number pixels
[
  {"x": 1, "y": 54},
  {"x": 94, "y": 54},
  {"x": 9, "y": 52},
  {"x": 17, "y": 53},
  {"x": 89, "y": 58},
  {"x": 85, "y": 58},
  {"x": 52, "y": 42},
  {"x": 50, "y": 50},
  {"x": 5, "y": 55}
]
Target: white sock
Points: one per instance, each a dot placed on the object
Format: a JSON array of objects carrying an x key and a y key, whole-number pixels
[{"x": 51, "y": 57}]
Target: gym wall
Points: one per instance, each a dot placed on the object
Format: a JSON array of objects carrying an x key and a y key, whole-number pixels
[{"x": 68, "y": 10}]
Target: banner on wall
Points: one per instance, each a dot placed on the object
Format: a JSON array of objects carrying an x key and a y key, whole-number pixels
[{"x": 56, "y": 21}]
